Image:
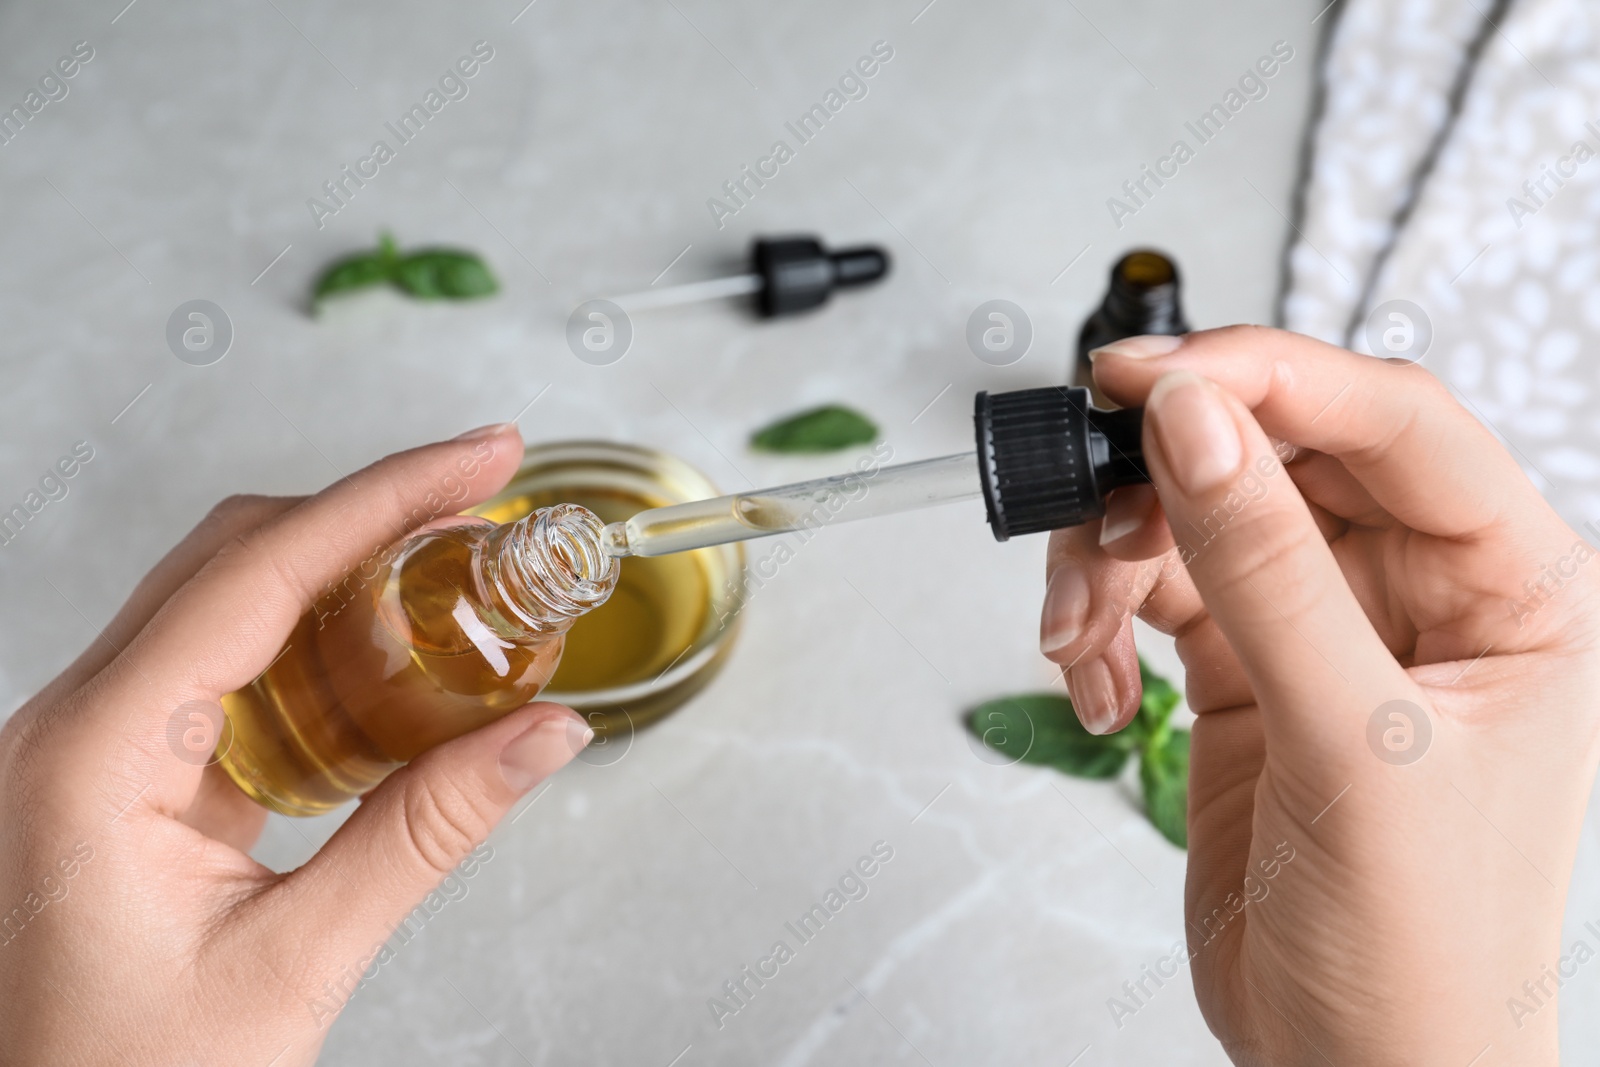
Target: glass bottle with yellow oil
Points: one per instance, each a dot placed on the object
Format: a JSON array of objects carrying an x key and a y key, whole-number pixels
[
  {"x": 461, "y": 623},
  {"x": 673, "y": 620}
]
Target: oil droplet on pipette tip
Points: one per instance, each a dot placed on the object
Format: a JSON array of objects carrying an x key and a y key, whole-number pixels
[{"x": 614, "y": 540}]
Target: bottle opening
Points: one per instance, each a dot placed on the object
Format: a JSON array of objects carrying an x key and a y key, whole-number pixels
[
  {"x": 1144, "y": 269},
  {"x": 552, "y": 567},
  {"x": 1143, "y": 297},
  {"x": 573, "y": 535}
]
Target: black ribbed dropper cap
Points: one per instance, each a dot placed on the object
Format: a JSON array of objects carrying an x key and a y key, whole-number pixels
[
  {"x": 1047, "y": 459},
  {"x": 797, "y": 273}
]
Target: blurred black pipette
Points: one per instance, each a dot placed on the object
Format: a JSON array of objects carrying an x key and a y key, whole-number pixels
[{"x": 787, "y": 274}]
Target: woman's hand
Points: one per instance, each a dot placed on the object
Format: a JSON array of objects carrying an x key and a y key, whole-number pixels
[
  {"x": 135, "y": 929},
  {"x": 1391, "y": 647}
]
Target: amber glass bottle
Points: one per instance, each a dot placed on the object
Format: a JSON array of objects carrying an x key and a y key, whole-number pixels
[
  {"x": 458, "y": 624},
  {"x": 1143, "y": 298}
]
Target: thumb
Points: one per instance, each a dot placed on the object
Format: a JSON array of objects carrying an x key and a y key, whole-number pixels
[
  {"x": 1259, "y": 561},
  {"x": 417, "y": 826}
]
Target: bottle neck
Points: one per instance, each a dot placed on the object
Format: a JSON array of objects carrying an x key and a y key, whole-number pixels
[
  {"x": 1143, "y": 297},
  {"x": 543, "y": 572}
]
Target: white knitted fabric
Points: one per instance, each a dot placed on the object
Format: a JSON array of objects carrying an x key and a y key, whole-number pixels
[
  {"x": 1386, "y": 77},
  {"x": 1500, "y": 251}
]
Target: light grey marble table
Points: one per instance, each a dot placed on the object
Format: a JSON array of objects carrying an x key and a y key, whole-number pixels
[{"x": 580, "y": 161}]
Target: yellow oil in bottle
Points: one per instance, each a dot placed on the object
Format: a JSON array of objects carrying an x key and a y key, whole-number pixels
[
  {"x": 379, "y": 671},
  {"x": 659, "y": 609}
]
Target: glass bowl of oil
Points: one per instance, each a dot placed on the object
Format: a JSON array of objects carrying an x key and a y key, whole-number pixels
[{"x": 672, "y": 621}]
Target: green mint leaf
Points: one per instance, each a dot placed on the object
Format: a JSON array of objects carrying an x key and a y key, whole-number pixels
[
  {"x": 824, "y": 429},
  {"x": 444, "y": 274},
  {"x": 1156, "y": 706},
  {"x": 427, "y": 274},
  {"x": 350, "y": 273},
  {"x": 1042, "y": 728},
  {"x": 1164, "y": 774}
]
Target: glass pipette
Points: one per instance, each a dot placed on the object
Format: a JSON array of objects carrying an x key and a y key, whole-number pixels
[
  {"x": 1045, "y": 460},
  {"x": 861, "y": 494}
]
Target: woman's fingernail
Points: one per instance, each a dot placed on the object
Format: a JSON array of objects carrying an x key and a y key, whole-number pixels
[
  {"x": 1147, "y": 346},
  {"x": 1196, "y": 430},
  {"x": 1066, "y": 608},
  {"x": 1094, "y": 695},
  {"x": 494, "y": 429},
  {"x": 548, "y": 746},
  {"x": 1126, "y": 510}
]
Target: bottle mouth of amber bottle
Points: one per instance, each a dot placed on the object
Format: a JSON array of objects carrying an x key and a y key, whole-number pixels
[
  {"x": 1144, "y": 293},
  {"x": 671, "y": 622}
]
